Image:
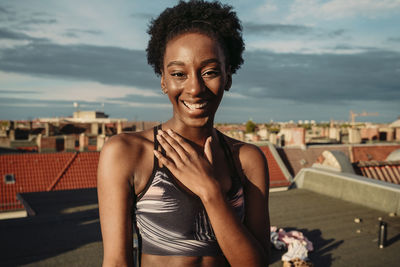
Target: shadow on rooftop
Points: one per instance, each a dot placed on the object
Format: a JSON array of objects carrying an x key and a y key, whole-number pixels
[
  {"x": 393, "y": 240},
  {"x": 65, "y": 220},
  {"x": 322, "y": 254}
]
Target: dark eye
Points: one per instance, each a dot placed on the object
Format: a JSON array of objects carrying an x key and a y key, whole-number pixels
[
  {"x": 178, "y": 74},
  {"x": 211, "y": 73}
]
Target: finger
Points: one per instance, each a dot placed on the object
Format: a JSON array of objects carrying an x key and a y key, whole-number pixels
[
  {"x": 172, "y": 150},
  {"x": 207, "y": 150},
  {"x": 165, "y": 161},
  {"x": 183, "y": 143},
  {"x": 178, "y": 144}
]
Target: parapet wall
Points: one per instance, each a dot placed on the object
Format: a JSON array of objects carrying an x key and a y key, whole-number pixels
[{"x": 372, "y": 193}]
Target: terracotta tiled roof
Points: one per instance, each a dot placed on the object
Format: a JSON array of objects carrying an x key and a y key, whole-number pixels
[
  {"x": 45, "y": 172},
  {"x": 388, "y": 171},
  {"x": 71, "y": 170},
  {"x": 276, "y": 176},
  {"x": 377, "y": 152}
]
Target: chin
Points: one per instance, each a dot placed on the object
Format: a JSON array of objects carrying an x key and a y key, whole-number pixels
[{"x": 198, "y": 122}]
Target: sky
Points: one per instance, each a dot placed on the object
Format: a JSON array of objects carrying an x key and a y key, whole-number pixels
[{"x": 304, "y": 60}]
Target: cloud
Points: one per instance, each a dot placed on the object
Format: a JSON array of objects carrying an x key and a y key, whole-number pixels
[
  {"x": 13, "y": 35},
  {"x": 394, "y": 39},
  {"x": 92, "y": 32},
  {"x": 267, "y": 7},
  {"x": 76, "y": 33},
  {"x": 337, "y": 9},
  {"x": 107, "y": 65},
  {"x": 3, "y": 10},
  {"x": 25, "y": 108},
  {"x": 254, "y": 28},
  {"x": 142, "y": 15},
  {"x": 15, "y": 108},
  {"x": 16, "y": 101},
  {"x": 17, "y": 92},
  {"x": 324, "y": 78},
  {"x": 6, "y": 13},
  {"x": 158, "y": 98},
  {"x": 354, "y": 73},
  {"x": 336, "y": 33},
  {"x": 39, "y": 21},
  {"x": 310, "y": 78}
]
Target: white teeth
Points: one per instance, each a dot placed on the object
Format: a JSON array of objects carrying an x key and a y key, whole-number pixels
[{"x": 195, "y": 106}]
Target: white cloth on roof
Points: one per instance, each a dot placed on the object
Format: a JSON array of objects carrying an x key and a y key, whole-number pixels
[{"x": 297, "y": 244}]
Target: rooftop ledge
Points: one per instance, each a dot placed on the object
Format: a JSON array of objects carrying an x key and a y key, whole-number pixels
[{"x": 368, "y": 192}]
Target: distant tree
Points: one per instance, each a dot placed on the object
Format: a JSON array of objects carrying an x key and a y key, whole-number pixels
[
  {"x": 274, "y": 129},
  {"x": 250, "y": 126},
  {"x": 306, "y": 126},
  {"x": 324, "y": 124}
]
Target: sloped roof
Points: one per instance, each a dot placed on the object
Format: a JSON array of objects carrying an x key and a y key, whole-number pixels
[
  {"x": 388, "y": 171},
  {"x": 298, "y": 158},
  {"x": 377, "y": 152},
  {"x": 71, "y": 170},
  {"x": 276, "y": 175},
  {"x": 395, "y": 124},
  {"x": 45, "y": 172}
]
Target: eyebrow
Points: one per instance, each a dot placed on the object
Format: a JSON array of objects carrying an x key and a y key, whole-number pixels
[
  {"x": 211, "y": 60},
  {"x": 205, "y": 62},
  {"x": 179, "y": 63}
]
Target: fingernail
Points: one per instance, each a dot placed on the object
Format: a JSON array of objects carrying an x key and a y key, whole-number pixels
[
  {"x": 170, "y": 131},
  {"x": 160, "y": 132}
]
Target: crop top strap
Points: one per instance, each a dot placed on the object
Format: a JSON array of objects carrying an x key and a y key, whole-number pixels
[
  {"x": 231, "y": 163},
  {"x": 156, "y": 145}
]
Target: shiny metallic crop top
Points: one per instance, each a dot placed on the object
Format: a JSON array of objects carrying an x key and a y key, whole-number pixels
[{"x": 172, "y": 221}]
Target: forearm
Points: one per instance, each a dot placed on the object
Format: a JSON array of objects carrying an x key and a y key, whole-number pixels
[{"x": 237, "y": 243}]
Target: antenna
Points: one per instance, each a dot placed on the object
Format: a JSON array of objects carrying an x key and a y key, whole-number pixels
[
  {"x": 76, "y": 113},
  {"x": 76, "y": 106}
]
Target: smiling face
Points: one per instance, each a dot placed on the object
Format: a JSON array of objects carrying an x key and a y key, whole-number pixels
[{"x": 194, "y": 76}]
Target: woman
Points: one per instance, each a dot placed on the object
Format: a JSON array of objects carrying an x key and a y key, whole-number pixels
[{"x": 199, "y": 198}]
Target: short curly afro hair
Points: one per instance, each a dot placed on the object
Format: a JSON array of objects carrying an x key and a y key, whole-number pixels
[{"x": 211, "y": 18}]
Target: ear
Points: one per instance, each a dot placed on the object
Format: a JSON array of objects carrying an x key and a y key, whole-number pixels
[
  {"x": 228, "y": 83},
  {"x": 163, "y": 86}
]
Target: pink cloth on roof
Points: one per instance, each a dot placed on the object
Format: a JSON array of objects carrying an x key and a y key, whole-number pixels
[
  {"x": 291, "y": 236},
  {"x": 297, "y": 244}
]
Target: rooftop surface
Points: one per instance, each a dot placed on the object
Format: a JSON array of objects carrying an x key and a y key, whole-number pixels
[
  {"x": 329, "y": 224},
  {"x": 67, "y": 231}
]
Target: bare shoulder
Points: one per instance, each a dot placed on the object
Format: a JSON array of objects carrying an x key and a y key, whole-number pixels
[
  {"x": 124, "y": 145},
  {"x": 123, "y": 155},
  {"x": 251, "y": 159},
  {"x": 127, "y": 144},
  {"x": 249, "y": 154}
]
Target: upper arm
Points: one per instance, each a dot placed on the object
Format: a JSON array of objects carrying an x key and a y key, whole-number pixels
[
  {"x": 255, "y": 169},
  {"x": 115, "y": 196}
]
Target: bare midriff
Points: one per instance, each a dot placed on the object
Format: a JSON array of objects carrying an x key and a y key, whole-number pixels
[{"x": 183, "y": 261}]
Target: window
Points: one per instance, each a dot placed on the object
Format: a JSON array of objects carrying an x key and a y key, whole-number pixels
[{"x": 9, "y": 178}]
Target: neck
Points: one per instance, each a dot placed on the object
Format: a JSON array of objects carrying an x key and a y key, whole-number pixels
[{"x": 197, "y": 135}]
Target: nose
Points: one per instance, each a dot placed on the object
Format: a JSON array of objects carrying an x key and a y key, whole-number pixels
[{"x": 196, "y": 84}]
